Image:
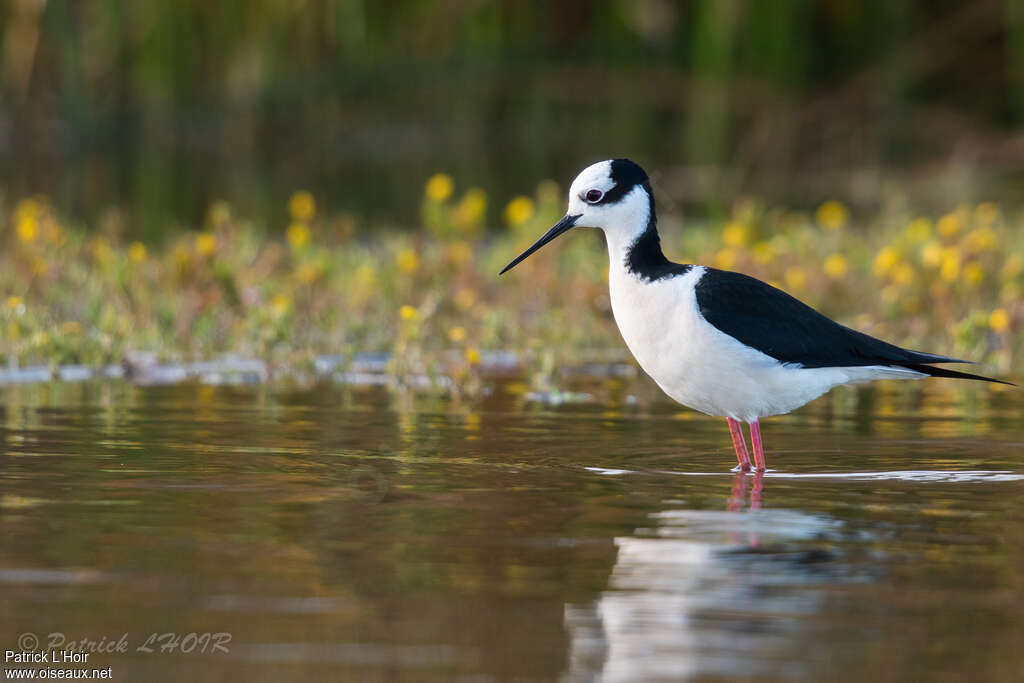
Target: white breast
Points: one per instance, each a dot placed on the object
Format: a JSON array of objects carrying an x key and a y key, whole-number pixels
[{"x": 700, "y": 366}]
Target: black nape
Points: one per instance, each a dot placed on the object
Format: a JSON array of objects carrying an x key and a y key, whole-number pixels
[
  {"x": 626, "y": 175},
  {"x": 645, "y": 258}
]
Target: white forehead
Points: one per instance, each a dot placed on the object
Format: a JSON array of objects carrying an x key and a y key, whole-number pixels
[{"x": 597, "y": 176}]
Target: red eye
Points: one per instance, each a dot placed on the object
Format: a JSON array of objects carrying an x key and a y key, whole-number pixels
[{"x": 594, "y": 196}]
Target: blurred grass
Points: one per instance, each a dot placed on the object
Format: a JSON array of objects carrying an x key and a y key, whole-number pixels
[
  {"x": 160, "y": 108},
  {"x": 949, "y": 284}
]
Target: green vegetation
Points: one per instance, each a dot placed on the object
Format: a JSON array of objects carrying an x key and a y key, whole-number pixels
[{"x": 950, "y": 284}]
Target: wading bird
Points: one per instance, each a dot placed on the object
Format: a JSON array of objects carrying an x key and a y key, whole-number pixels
[{"x": 722, "y": 343}]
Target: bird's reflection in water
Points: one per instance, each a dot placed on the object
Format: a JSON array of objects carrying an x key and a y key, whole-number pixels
[
  {"x": 738, "y": 501},
  {"x": 706, "y": 593},
  {"x": 738, "y": 497}
]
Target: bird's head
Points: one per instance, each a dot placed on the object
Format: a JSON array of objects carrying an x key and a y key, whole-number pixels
[{"x": 613, "y": 195}]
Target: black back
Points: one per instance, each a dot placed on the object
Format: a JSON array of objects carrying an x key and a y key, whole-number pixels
[{"x": 789, "y": 330}]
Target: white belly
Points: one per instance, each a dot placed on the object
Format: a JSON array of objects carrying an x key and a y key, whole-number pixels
[{"x": 704, "y": 368}]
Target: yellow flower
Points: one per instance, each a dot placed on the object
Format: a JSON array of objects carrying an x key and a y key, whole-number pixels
[
  {"x": 832, "y": 215},
  {"x": 27, "y": 229},
  {"x": 439, "y": 187},
  {"x": 15, "y": 302},
  {"x": 931, "y": 255},
  {"x": 206, "y": 243},
  {"x": 986, "y": 213},
  {"x": 407, "y": 312},
  {"x": 30, "y": 207},
  {"x": 903, "y": 273},
  {"x": 950, "y": 268},
  {"x": 735, "y": 234},
  {"x": 298, "y": 235},
  {"x": 280, "y": 305},
  {"x": 886, "y": 260},
  {"x": 464, "y": 299},
  {"x": 26, "y": 219},
  {"x": 472, "y": 356},
  {"x": 471, "y": 209},
  {"x": 950, "y": 224},
  {"x": 796, "y": 278},
  {"x": 408, "y": 261},
  {"x": 302, "y": 206},
  {"x": 836, "y": 266},
  {"x": 999, "y": 320},
  {"x": 457, "y": 334},
  {"x": 137, "y": 252},
  {"x": 973, "y": 273},
  {"x": 725, "y": 259},
  {"x": 980, "y": 239},
  {"x": 919, "y": 229},
  {"x": 519, "y": 210}
]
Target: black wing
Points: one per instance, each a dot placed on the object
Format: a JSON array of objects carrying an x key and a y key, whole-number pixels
[{"x": 790, "y": 331}]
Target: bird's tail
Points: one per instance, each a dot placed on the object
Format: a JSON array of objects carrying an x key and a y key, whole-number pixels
[{"x": 933, "y": 371}]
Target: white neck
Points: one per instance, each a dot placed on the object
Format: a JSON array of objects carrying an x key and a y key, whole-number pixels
[{"x": 629, "y": 224}]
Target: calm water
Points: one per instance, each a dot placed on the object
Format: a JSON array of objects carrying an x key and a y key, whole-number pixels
[{"x": 342, "y": 534}]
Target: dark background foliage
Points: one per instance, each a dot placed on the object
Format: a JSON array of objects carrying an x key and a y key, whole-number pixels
[{"x": 159, "y": 108}]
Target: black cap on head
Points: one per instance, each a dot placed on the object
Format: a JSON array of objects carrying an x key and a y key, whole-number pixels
[
  {"x": 626, "y": 175},
  {"x": 627, "y": 172}
]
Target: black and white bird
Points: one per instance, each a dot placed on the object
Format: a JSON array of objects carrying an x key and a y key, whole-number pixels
[{"x": 722, "y": 343}]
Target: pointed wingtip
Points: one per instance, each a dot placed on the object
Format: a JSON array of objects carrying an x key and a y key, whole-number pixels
[{"x": 933, "y": 371}]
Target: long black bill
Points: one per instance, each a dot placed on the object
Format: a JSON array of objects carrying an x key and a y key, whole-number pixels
[{"x": 560, "y": 227}]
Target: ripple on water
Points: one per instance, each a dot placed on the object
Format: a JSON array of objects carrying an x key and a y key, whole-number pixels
[{"x": 945, "y": 476}]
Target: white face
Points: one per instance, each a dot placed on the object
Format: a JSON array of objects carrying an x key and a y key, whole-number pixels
[
  {"x": 595, "y": 201},
  {"x": 624, "y": 218}
]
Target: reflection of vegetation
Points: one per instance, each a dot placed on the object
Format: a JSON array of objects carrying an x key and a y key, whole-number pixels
[{"x": 950, "y": 285}]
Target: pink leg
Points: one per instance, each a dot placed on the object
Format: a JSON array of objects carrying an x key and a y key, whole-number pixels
[
  {"x": 755, "y": 439},
  {"x": 739, "y": 445}
]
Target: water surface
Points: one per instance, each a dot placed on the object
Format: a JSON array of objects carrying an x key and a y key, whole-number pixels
[{"x": 348, "y": 534}]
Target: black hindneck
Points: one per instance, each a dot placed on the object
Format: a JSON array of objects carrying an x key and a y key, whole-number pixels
[{"x": 644, "y": 257}]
